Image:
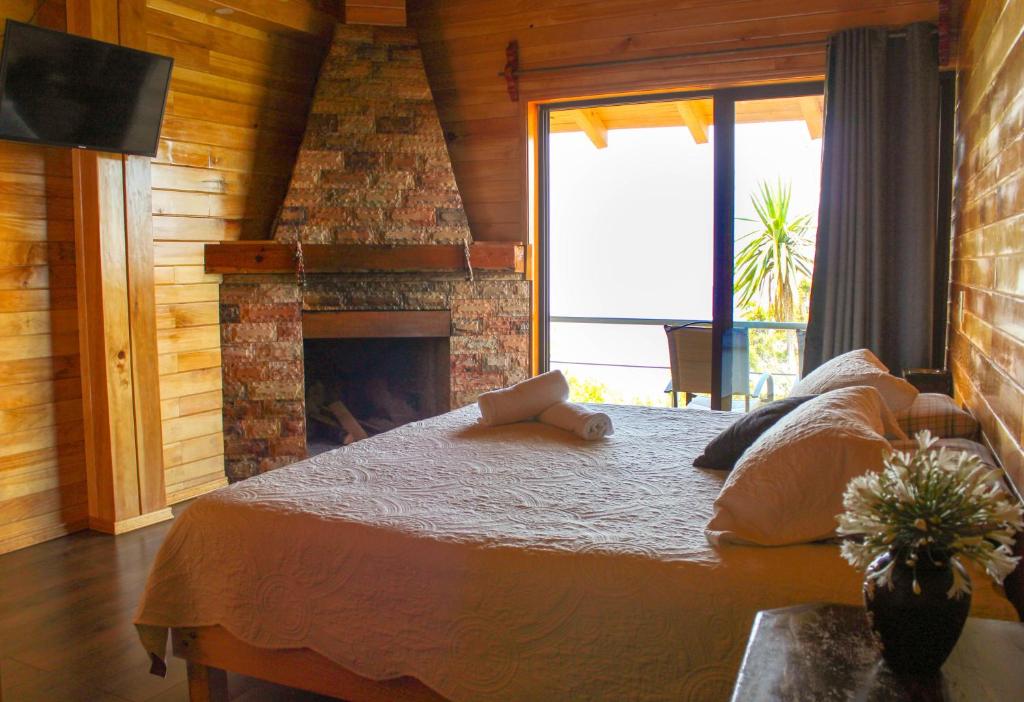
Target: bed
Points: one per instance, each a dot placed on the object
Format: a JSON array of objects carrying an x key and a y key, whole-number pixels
[{"x": 446, "y": 560}]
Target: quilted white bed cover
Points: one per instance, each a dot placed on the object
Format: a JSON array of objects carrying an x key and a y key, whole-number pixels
[{"x": 505, "y": 563}]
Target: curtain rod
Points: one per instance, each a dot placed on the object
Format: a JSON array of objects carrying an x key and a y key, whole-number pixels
[{"x": 896, "y": 34}]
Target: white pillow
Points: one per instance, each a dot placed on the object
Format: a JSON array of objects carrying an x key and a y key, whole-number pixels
[
  {"x": 860, "y": 367},
  {"x": 788, "y": 486}
]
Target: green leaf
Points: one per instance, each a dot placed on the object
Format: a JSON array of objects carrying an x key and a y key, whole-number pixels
[{"x": 773, "y": 257}]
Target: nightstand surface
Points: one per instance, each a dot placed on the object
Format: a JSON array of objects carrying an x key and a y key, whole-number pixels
[{"x": 821, "y": 652}]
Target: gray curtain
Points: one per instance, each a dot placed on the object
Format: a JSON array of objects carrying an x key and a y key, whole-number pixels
[{"x": 874, "y": 267}]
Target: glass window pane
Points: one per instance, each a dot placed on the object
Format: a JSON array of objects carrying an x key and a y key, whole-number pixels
[
  {"x": 631, "y": 224},
  {"x": 778, "y": 180},
  {"x": 612, "y": 362}
]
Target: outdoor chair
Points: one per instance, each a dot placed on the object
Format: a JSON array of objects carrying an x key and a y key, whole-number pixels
[{"x": 690, "y": 354}]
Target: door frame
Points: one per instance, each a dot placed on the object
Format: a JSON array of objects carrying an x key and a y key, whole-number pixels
[{"x": 724, "y": 102}]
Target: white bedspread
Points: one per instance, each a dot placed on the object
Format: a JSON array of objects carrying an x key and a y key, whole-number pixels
[{"x": 507, "y": 563}]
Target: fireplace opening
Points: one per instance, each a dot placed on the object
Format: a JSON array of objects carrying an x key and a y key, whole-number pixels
[{"x": 360, "y": 387}]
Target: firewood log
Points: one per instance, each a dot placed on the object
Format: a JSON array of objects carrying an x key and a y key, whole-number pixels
[{"x": 348, "y": 422}]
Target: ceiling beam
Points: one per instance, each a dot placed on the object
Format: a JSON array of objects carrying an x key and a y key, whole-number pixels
[
  {"x": 810, "y": 107},
  {"x": 592, "y": 125},
  {"x": 694, "y": 119}
]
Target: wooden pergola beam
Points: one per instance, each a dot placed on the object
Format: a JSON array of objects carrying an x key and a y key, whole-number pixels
[
  {"x": 592, "y": 125},
  {"x": 694, "y": 120},
  {"x": 810, "y": 108}
]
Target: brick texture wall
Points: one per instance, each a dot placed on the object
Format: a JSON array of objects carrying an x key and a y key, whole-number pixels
[
  {"x": 261, "y": 348},
  {"x": 373, "y": 166},
  {"x": 987, "y": 311}
]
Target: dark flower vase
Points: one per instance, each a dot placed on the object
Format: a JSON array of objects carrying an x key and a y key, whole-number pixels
[{"x": 917, "y": 630}]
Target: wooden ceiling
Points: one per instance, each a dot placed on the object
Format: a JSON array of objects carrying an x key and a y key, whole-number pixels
[{"x": 695, "y": 115}]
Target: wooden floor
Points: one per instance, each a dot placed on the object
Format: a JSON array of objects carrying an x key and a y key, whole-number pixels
[{"x": 66, "y": 629}]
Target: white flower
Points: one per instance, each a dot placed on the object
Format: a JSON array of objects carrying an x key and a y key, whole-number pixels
[
  {"x": 934, "y": 502},
  {"x": 961, "y": 583}
]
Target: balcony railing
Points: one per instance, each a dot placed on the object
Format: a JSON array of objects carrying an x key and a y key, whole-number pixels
[
  {"x": 647, "y": 321},
  {"x": 780, "y": 378}
]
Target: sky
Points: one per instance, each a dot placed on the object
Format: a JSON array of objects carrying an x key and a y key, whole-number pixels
[{"x": 631, "y": 234}]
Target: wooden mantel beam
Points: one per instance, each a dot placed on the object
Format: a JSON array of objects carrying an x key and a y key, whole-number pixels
[
  {"x": 592, "y": 125},
  {"x": 387, "y": 13},
  {"x": 694, "y": 119},
  {"x": 274, "y": 257}
]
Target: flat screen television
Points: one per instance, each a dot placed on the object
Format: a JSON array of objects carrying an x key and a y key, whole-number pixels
[{"x": 64, "y": 90}]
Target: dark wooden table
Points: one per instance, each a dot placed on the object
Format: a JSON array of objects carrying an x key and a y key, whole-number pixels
[{"x": 820, "y": 652}]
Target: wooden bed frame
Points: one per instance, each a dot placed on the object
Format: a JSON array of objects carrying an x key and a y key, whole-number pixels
[{"x": 210, "y": 651}]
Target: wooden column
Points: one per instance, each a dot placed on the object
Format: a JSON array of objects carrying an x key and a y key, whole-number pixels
[{"x": 116, "y": 309}]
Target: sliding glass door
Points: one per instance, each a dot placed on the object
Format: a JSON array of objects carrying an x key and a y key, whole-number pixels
[{"x": 638, "y": 242}]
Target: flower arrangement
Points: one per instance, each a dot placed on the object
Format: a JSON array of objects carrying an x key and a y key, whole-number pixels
[{"x": 931, "y": 504}]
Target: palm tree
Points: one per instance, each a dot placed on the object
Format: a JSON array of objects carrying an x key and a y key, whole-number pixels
[{"x": 774, "y": 255}]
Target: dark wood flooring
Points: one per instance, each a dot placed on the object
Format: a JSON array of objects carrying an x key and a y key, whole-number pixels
[{"x": 66, "y": 629}]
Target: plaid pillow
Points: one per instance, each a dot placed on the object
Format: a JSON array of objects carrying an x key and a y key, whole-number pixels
[{"x": 940, "y": 415}]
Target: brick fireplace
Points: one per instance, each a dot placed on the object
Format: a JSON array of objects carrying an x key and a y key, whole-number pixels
[{"x": 372, "y": 231}]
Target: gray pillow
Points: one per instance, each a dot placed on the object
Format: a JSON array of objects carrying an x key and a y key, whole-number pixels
[{"x": 726, "y": 448}]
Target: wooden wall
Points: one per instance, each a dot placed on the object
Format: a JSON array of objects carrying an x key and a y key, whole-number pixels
[
  {"x": 464, "y": 46},
  {"x": 235, "y": 115},
  {"x": 237, "y": 108},
  {"x": 42, "y": 456},
  {"x": 987, "y": 310}
]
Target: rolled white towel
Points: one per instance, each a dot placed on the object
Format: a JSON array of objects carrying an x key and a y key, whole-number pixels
[
  {"x": 581, "y": 421},
  {"x": 523, "y": 400}
]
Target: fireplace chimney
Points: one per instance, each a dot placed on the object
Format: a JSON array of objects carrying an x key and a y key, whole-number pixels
[{"x": 373, "y": 167}]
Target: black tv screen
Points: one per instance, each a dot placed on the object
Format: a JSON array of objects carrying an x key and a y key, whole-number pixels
[{"x": 65, "y": 90}]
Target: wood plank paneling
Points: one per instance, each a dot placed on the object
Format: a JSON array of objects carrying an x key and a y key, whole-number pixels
[
  {"x": 987, "y": 281},
  {"x": 42, "y": 459},
  {"x": 235, "y": 115},
  {"x": 464, "y": 50}
]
